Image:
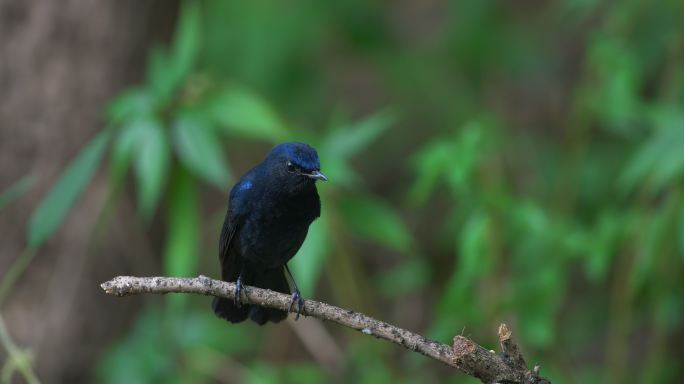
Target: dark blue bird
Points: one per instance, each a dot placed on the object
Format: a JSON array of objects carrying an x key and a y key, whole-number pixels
[{"x": 270, "y": 210}]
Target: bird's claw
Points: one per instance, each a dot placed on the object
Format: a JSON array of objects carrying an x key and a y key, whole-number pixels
[
  {"x": 238, "y": 293},
  {"x": 297, "y": 298}
]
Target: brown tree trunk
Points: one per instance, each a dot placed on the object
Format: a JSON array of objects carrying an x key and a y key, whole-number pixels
[{"x": 60, "y": 62}]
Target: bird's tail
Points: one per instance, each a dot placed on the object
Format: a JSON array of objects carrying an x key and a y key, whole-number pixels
[
  {"x": 227, "y": 310},
  {"x": 273, "y": 279}
]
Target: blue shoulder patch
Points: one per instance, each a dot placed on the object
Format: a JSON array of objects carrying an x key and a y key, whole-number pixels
[{"x": 245, "y": 185}]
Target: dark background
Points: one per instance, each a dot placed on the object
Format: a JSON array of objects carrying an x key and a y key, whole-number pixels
[{"x": 489, "y": 161}]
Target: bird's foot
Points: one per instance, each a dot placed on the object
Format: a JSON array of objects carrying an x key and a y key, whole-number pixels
[
  {"x": 297, "y": 299},
  {"x": 238, "y": 293}
]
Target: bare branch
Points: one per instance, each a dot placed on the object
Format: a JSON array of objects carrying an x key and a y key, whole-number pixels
[{"x": 465, "y": 354}]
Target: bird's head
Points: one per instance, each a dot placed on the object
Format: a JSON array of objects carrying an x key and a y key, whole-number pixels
[{"x": 297, "y": 162}]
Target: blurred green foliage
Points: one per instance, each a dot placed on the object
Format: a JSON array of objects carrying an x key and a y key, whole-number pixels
[{"x": 529, "y": 171}]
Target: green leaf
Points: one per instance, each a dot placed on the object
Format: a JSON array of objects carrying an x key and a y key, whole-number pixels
[
  {"x": 304, "y": 373},
  {"x": 376, "y": 221},
  {"x": 59, "y": 200},
  {"x": 469, "y": 150},
  {"x": 473, "y": 247},
  {"x": 182, "y": 242},
  {"x": 414, "y": 274},
  {"x": 603, "y": 245},
  {"x": 158, "y": 339},
  {"x": 680, "y": 233},
  {"x": 262, "y": 373},
  {"x": 199, "y": 329},
  {"x": 140, "y": 353},
  {"x": 659, "y": 160},
  {"x": 152, "y": 163},
  {"x": 130, "y": 104},
  {"x": 308, "y": 263},
  {"x": 200, "y": 151},
  {"x": 244, "y": 114},
  {"x": 127, "y": 143},
  {"x": 614, "y": 96},
  {"x": 161, "y": 77},
  {"x": 453, "y": 160},
  {"x": 348, "y": 140},
  {"x": 473, "y": 262},
  {"x": 430, "y": 164},
  {"x": 652, "y": 230},
  {"x": 537, "y": 327},
  {"x": 186, "y": 45},
  {"x": 15, "y": 190},
  {"x": 168, "y": 70}
]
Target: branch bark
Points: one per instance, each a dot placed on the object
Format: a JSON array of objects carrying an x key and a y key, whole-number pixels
[{"x": 465, "y": 355}]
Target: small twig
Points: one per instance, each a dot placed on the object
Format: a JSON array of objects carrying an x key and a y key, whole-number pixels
[
  {"x": 16, "y": 358},
  {"x": 508, "y": 347},
  {"x": 14, "y": 272},
  {"x": 465, "y": 354}
]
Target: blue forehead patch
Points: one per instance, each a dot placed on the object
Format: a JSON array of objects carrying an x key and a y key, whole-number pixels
[{"x": 301, "y": 154}]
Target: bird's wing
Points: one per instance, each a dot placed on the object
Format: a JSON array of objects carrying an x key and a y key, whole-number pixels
[
  {"x": 227, "y": 234},
  {"x": 238, "y": 207}
]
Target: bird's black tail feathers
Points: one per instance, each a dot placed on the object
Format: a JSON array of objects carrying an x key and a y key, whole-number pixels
[{"x": 273, "y": 279}]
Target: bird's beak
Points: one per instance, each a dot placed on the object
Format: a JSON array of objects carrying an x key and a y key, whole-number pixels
[{"x": 316, "y": 175}]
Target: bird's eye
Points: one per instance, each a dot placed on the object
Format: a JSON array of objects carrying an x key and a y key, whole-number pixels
[{"x": 290, "y": 167}]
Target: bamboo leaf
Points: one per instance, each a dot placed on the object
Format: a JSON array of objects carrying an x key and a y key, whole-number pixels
[
  {"x": 15, "y": 190},
  {"x": 240, "y": 112},
  {"x": 59, "y": 200},
  {"x": 200, "y": 151},
  {"x": 376, "y": 221},
  {"x": 152, "y": 163}
]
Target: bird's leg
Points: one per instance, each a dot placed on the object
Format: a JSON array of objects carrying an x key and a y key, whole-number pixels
[
  {"x": 296, "y": 295},
  {"x": 239, "y": 287},
  {"x": 238, "y": 292}
]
